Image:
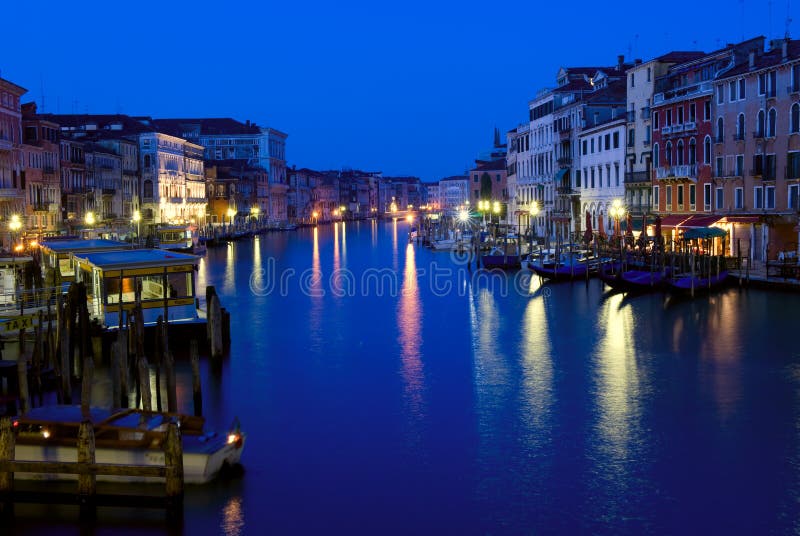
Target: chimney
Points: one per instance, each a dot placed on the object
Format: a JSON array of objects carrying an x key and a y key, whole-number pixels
[
  {"x": 752, "y": 62},
  {"x": 620, "y": 62},
  {"x": 785, "y": 49}
]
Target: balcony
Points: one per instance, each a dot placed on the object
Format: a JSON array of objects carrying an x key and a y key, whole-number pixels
[
  {"x": 631, "y": 115},
  {"x": 677, "y": 129},
  {"x": 645, "y": 113},
  {"x": 729, "y": 174},
  {"x": 687, "y": 171},
  {"x": 567, "y": 190},
  {"x": 690, "y": 126},
  {"x": 637, "y": 176},
  {"x": 564, "y": 161},
  {"x": 565, "y": 133},
  {"x": 666, "y": 130},
  {"x": 6, "y": 193},
  {"x": 6, "y": 145},
  {"x": 681, "y": 92}
]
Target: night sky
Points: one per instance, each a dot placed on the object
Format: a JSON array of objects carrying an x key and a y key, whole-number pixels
[{"x": 407, "y": 88}]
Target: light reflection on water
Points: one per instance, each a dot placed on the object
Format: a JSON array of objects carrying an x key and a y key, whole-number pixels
[
  {"x": 233, "y": 517},
  {"x": 409, "y": 325}
]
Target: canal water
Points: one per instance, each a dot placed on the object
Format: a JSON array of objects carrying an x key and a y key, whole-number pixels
[{"x": 387, "y": 388}]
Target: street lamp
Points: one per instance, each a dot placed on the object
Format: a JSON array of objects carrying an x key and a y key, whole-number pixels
[
  {"x": 342, "y": 210},
  {"x": 315, "y": 215},
  {"x": 533, "y": 211},
  {"x": 137, "y": 217},
  {"x": 617, "y": 211},
  {"x": 231, "y": 213},
  {"x": 254, "y": 211}
]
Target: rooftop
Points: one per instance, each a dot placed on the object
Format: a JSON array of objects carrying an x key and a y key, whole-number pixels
[
  {"x": 76, "y": 245},
  {"x": 138, "y": 258}
]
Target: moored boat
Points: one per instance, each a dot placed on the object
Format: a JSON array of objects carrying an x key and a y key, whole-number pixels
[
  {"x": 686, "y": 283},
  {"x": 127, "y": 437},
  {"x": 571, "y": 265}
]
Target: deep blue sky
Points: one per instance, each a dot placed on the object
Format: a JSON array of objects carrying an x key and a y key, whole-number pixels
[{"x": 411, "y": 88}]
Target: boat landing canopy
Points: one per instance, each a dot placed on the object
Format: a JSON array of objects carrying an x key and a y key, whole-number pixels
[
  {"x": 58, "y": 253},
  {"x": 162, "y": 281}
]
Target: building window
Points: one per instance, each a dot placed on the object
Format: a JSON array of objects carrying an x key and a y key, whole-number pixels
[
  {"x": 707, "y": 197},
  {"x": 762, "y": 84},
  {"x": 680, "y": 197},
  {"x": 669, "y": 198},
  {"x": 720, "y": 198},
  {"x": 655, "y": 155},
  {"x": 769, "y": 195},
  {"x": 760, "y": 127},
  {"x": 668, "y": 118},
  {"x": 741, "y": 89},
  {"x": 655, "y": 120},
  {"x": 732, "y": 86},
  {"x": 707, "y": 110},
  {"x": 794, "y": 119},
  {"x": 794, "y": 196},
  {"x": 740, "y": 127},
  {"x": 616, "y": 140},
  {"x": 692, "y": 113},
  {"x": 692, "y": 196},
  {"x": 738, "y": 198},
  {"x": 633, "y": 83},
  {"x": 679, "y": 153},
  {"x": 692, "y": 152},
  {"x": 583, "y": 146},
  {"x": 648, "y": 74},
  {"x": 758, "y": 197},
  {"x": 720, "y": 94},
  {"x": 591, "y": 145},
  {"x": 680, "y": 114},
  {"x": 475, "y": 178},
  {"x": 772, "y": 118},
  {"x": 668, "y": 153},
  {"x": 616, "y": 174},
  {"x": 720, "y": 130},
  {"x": 707, "y": 150},
  {"x": 720, "y": 163},
  {"x": 608, "y": 142},
  {"x": 655, "y": 197}
]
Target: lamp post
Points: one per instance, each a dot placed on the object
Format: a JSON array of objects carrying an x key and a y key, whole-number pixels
[
  {"x": 617, "y": 212},
  {"x": 231, "y": 213},
  {"x": 137, "y": 217},
  {"x": 533, "y": 211},
  {"x": 254, "y": 212},
  {"x": 496, "y": 210},
  {"x": 14, "y": 226}
]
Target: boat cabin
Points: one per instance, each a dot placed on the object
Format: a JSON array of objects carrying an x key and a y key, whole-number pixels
[
  {"x": 175, "y": 237},
  {"x": 58, "y": 253},
  {"x": 162, "y": 281},
  {"x": 12, "y": 276}
]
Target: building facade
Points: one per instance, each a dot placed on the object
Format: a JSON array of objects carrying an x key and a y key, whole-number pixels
[
  {"x": 12, "y": 189},
  {"x": 602, "y": 149}
]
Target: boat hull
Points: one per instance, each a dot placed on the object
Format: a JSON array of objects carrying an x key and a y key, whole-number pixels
[
  {"x": 683, "y": 285},
  {"x": 504, "y": 262},
  {"x": 560, "y": 272},
  {"x": 634, "y": 281}
]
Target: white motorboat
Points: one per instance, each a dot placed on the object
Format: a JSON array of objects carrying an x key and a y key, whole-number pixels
[{"x": 128, "y": 437}]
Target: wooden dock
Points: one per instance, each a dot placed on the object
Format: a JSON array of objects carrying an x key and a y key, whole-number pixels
[{"x": 85, "y": 495}]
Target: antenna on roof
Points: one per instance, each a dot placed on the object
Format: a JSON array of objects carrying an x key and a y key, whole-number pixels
[
  {"x": 788, "y": 19},
  {"x": 741, "y": 18}
]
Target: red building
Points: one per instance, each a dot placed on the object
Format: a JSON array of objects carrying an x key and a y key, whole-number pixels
[{"x": 684, "y": 137}]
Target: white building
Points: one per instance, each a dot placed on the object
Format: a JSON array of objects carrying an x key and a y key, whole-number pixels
[
  {"x": 454, "y": 193},
  {"x": 541, "y": 189},
  {"x": 602, "y": 150},
  {"x": 173, "y": 184},
  {"x": 434, "y": 200}
]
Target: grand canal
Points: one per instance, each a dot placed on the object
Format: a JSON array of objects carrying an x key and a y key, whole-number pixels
[{"x": 434, "y": 401}]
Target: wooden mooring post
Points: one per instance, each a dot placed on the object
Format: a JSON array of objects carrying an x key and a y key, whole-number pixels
[
  {"x": 87, "y": 471},
  {"x": 194, "y": 357}
]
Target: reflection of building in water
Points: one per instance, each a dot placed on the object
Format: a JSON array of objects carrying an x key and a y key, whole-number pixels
[
  {"x": 537, "y": 367},
  {"x": 409, "y": 324}
]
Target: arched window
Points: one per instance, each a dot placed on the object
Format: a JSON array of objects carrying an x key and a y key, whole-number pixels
[
  {"x": 668, "y": 153},
  {"x": 760, "y": 128},
  {"x": 720, "y": 130},
  {"x": 692, "y": 152},
  {"x": 147, "y": 160},
  {"x": 679, "y": 153},
  {"x": 772, "y": 118},
  {"x": 655, "y": 155},
  {"x": 707, "y": 150},
  {"x": 794, "y": 118},
  {"x": 740, "y": 127},
  {"x": 147, "y": 188}
]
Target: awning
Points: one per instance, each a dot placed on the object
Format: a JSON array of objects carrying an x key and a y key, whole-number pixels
[
  {"x": 740, "y": 219},
  {"x": 560, "y": 174},
  {"x": 697, "y": 221},
  {"x": 674, "y": 220}
]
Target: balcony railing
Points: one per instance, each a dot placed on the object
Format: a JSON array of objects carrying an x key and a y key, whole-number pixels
[
  {"x": 666, "y": 130},
  {"x": 645, "y": 113},
  {"x": 677, "y": 128},
  {"x": 565, "y": 133},
  {"x": 10, "y": 192},
  {"x": 637, "y": 176},
  {"x": 689, "y": 126},
  {"x": 703, "y": 87},
  {"x": 670, "y": 172},
  {"x": 567, "y": 190}
]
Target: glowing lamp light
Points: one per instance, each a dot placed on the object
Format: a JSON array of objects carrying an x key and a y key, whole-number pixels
[
  {"x": 18, "y": 248},
  {"x": 90, "y": 218},
  {"x": 534, "y": 210},
  {"x": 254, "y": 211},
  {"x": 34, "y": 243},
  {"x": 45, "y": 433},
  {"x": 315, "y": 214},
  {"x": 15, "y": 224},
  {"x": 409, "y": 218},
  {"x": 232, "y": 438},
  {"x": 463, "y": 216},
  {"x": 335, "y": 212},
  {"x": 496, "y": 207},
  {"x": 137, "y": 216}
]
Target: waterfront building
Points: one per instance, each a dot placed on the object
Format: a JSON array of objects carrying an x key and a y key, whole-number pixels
[
  {"x": 432, "y": 200},
  {"x": 684, "y": 137},
  {"x": 454, "y": 194},
  {"x": 232, "y": 188},
  {"x": 756, "y": 166},
  {"x": 639, "y": 139},
  {"x": 73, "y": 181},
  {"x": 302, "y": 183},
  {"x": 541, "y": 190},
  {"x": 602, "y": 151},
  {"x": 584, "y": 97},
  {"x": 103, "y": 185},
  {"x": 128, "y": 151},
  {"x": 326, "y": 196},
  {"x": 40, "y": 174},
  {"x": 12, "y": 189},
  {"x": 518, "y": 170}
]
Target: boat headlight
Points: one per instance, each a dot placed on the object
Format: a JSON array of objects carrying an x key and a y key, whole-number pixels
[{"x": 232, "y": 438}]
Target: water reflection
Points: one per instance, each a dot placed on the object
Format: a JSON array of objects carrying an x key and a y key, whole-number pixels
[
  {"x": 395, "y": 260},
  {"x": 315, "y": 292},
  {"x": 537, "y": 369},
  {"x": 232, "y": 517},
  {"x": 229, "y": 281},
  {"x": 344, "y": 244},
  {"x": 409, "y": 325},
  {"x": 618, "y": 394}
]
